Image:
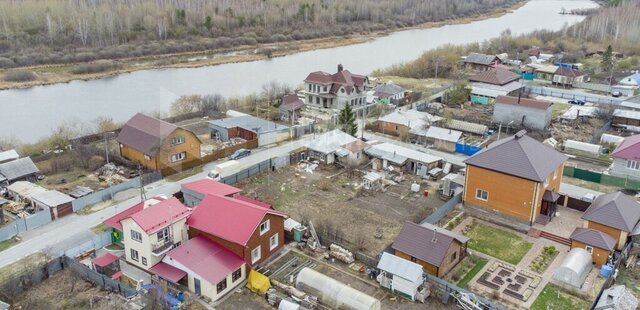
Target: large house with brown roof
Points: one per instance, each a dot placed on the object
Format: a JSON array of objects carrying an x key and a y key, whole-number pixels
[
  {"x": 436, "y": 249},
  {"x": 333, "y": 91},
  {"x": 158, "y": 145},
  {"x": 567, "y": 76},
  {"x": 522, "y": 112},
  {"x": 481, "y": 62},
  {"x": 488, "y": 85},
  {"x": 614, "y": 214},
  {"x": 517, "y": 176}
]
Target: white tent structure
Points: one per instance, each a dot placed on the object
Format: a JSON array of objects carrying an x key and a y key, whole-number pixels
[
  {"x": 334, "y": 294},
  {"x": 574, "y": 268}
]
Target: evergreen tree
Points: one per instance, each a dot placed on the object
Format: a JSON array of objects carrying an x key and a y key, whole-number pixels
[
  {"x": 347, "y": 120},
  {"x": 607, "y": 59}
]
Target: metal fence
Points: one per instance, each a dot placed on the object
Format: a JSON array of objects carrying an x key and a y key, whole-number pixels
[
  {"x": 98, "y": 278},
  {"x": 597, "y": 177},
  {"x": 539, "y": 90},
  {"x": 593, "y": 86},
  {"x": 23, "y": 224},
  {"x": 443, "y": 289},
  {"x": 107, "y": 193},
  {"x": 96, "y": 242},
  {"x": 269, "y": 164},
  {"x": 441, "y": 212}
]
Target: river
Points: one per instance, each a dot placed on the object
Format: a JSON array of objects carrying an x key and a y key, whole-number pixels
[{"x": 29, "y": 114}]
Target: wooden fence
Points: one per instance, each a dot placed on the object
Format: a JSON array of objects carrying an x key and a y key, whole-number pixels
[{"x": 221, "y": 153}]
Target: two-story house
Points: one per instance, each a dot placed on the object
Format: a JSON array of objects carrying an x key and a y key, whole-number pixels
[
  {"x": 626, "y": 158},
  {"x": 253, "y": 232},
  {"x": 517, "y": 176},
  {"x": 158, "y": 145},
  {"x": 150, "y": 229},
  {"x": 333, "y": 91}
]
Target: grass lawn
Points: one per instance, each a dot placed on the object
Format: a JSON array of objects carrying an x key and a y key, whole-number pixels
[
  {"x": 480, "y": 263},
  {"x": 501, "y": 244},
  {"x": 7, "y": 244},
  {"x": 555, "y": 299}
]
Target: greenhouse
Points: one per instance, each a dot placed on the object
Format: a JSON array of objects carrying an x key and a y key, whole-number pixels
[
  {"x": 332, "y": 293},
  {"x": 574, "y": 268}
]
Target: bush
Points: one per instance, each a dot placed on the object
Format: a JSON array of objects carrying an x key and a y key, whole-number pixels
[
  {"x": 19, "y": 76},
  {"x": 96, "y": 67}
]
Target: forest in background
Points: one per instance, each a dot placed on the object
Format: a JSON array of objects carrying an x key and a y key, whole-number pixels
[
  {"x": 617, "y": 25},
  {"x": 36, "y": 32}
]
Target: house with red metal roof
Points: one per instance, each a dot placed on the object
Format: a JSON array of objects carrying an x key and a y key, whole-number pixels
[
  {"x": 204, "y": 266},
  {"x": 158, "y": 145},
  {"x": 333, "y": 91},
  {"x": 148, "y": 230},
  {"x": 250, "y": 231},
  {"x": 193, "y": 192},
  {"x": 626, "y": 158}
]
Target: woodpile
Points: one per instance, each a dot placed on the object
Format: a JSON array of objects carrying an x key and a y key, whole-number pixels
[{"x": 341, "y": 254}]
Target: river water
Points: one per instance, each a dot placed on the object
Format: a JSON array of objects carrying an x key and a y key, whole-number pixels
[{"x": 29, "y": 114}]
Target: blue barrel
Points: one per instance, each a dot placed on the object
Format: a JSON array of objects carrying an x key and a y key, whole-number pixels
[{"x": 606, "y": 271}]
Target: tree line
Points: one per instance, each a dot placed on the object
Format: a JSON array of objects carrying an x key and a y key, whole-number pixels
[{"x": 52, "y": 31}]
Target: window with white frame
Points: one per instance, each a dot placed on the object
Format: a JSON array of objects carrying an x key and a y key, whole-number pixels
[
  {"x": 264, "y": 227},
  {"x": 163, "y": 235},
  {"x": 144, "y": 260},
  {"x": 134, "y": 255},
  {"x": 221, "y": 286},
  {"x": 482, "y": 194},
  {"x": 136, "y": 236},
  {"x": 273, "y": 242},
  {"x": 589, "y": 249},
  {"x": 633, "y": 164},
  {"x": 178, "y": 157},
  {"x": 177, "y": 140},
  {"x": 255, "y": 254}
]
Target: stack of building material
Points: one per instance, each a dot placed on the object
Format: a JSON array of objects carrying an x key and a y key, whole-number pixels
[{"x": 341, "y": 254}]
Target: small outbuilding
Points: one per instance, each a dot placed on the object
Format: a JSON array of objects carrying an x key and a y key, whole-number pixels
[
  {"x": 574, "y": 268},
  {"x": 58, "y": 204},
  {"x": 617, "y": 297},
  {"x": 400, "y": 275},
  {"x": 443, "y": 138},
  {"x": 249, "y": 128},
  {"x": 526, "y": 112},
  {"x": 18, "y": 170},
  {"x": 372, "y": 180}
]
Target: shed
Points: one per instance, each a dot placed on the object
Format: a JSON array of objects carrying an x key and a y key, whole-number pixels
[
  {"x": 443, "y": 138},
  {"x": 582, "y": 148},
  {"x": 372, "y": 180},
  {"x": 9, "y": 155},
  {"x": 248, "y": 127},
  {"x": 617, "y": 297},
  {"x": 400, "y": 275},
  {"x": 611, "y": 139},
  {"x": 574, "y": 268},
  {"x": 59, "y": 204},
  {"x": 334, "y": 294},
  {"x": 19, "y": 169},
  {"x": 22, "y": 190}
]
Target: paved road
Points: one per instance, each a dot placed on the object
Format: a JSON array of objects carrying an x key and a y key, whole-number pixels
[{"x": 74, "y": 229}]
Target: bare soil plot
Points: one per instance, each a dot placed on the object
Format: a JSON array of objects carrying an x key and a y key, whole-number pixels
[{"x": 337, "y": 209}]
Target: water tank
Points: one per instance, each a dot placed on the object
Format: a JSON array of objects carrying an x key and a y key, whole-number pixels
[
  {"x": 606, "y": 271},
  {"x": 332, "y": 293}
]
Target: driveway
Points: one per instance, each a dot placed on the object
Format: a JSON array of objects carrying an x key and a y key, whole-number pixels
[{"x": 73, "y": 230}]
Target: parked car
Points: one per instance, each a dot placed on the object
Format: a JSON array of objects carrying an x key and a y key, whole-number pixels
[
  {"x": 239, "y": 154},
  {"x": 577, "y": 101},
  {"x": 616, "y": 94}
]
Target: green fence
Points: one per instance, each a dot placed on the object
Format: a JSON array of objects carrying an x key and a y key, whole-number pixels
[{"x": 600, "y": 178}]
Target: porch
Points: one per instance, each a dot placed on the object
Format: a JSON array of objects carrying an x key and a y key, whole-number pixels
[{"x": 565, "y": 221}]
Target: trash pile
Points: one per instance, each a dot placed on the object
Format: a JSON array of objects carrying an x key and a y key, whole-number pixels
[{"x": 308, "y": 167}]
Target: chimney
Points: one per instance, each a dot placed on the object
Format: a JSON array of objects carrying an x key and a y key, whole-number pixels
[
  {"x": 340, "y": 68},
  {"x": 520, "y": 134},
  {"x": 435, "y": 233}
]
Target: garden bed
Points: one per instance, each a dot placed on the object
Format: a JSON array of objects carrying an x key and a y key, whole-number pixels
[
  {"x": 544, "y": 259},
  {"x": 467, "y": 269}
]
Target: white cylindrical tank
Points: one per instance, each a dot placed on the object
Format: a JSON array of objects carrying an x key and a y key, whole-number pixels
[{"x": 332, "y": 293}]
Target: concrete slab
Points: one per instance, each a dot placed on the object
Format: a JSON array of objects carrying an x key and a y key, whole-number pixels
[{"x": 564, "y": 223}]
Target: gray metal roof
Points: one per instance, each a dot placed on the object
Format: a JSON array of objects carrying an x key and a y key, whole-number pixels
[
  {"x": 618, "y": 298},
  {"x": 615, "y": 210},
  {"x": 248, "y": 122},
  {"x": 331, "y": 141},
  {"x": 419, "y": 242},
  {"x": 52, "y": 198},
  {"x": 482, "y": 59},
  {"x": 8, "y": 155},
  {"x": 400, "y": 267},
  {"x": 389, "y": 88},
  {"x": 520, "y": 156},
  {"x": 18, "y": 168},
  {"x": 467, "y": 127},
  {"x": 593, "y": 238},
  {"x": 444, "y": 134}
]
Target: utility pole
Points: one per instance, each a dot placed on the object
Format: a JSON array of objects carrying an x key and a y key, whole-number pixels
[{"x": 106, "y": 146}]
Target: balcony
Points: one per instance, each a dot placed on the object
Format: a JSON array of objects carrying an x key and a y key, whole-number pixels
[{"x": 162, "y": 247}]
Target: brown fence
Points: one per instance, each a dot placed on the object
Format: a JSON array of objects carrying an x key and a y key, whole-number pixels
[
  {"x": 251, "y": 144},
  {"x": 575, "y": 203}
]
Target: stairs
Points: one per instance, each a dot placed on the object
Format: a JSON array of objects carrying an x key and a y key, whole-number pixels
[{"x": 555, "y": 238}]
